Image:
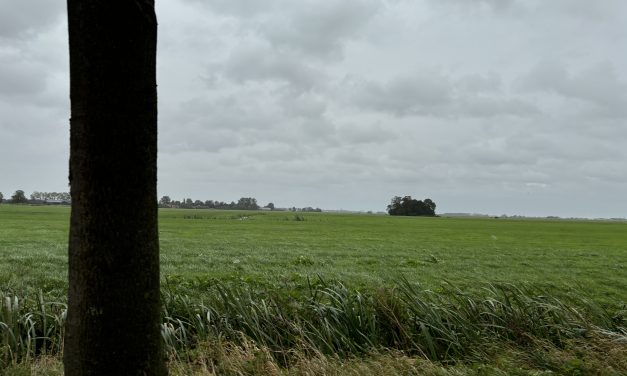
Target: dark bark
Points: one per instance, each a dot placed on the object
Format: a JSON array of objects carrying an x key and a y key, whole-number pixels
[{"x": 113, "y": 319}]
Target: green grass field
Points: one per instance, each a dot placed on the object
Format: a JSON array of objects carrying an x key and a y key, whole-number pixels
[
  {"x": 318, "y": 293},
  {"x": 275, "y": 248}
]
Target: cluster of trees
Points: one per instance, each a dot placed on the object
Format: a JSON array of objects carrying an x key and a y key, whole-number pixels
[
  {"x": 409, "y": 206},
  {"x": 50, "y": 196},
  {"x": 307, "y": 209},
  {"x": 17, "y": 198},
  {"x": 244, "y": 203},
  {"x": 37, "y": 197}
]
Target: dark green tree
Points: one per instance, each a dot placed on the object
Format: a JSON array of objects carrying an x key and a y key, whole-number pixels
[
  {"x": 1, "y": 197},
  {"x": 18, "y": 197},
  {"x": 410, "y": 206},
  {"x": 165, "y": 201},
  {"x": 395, "y": 206},
  {"x": 114, "y": 311},
  {"x": 247, "y": 203},
  {"x": 430, "y": 204}
]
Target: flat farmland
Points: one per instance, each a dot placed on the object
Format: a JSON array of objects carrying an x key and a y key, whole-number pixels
[{"x": 284, "y": 250}]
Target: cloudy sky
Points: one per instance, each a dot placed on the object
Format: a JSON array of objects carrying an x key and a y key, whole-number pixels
[{"x": 486, "y": 106}]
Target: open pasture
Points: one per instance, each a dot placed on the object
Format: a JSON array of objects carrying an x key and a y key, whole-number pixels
[
  {"x": 311, "y": 293},
  {"x": 284, "y": 249}
]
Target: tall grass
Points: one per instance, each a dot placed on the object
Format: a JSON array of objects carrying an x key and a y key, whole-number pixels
[
  {"x": 448, "y": 326},
  {"x": 333, "y": 321},
  {"x": 29, "y": 328}
]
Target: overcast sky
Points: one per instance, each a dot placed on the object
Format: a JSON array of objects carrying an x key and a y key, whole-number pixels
[{"x": 487, "y": 106}]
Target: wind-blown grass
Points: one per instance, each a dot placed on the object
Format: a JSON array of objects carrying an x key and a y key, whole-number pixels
[
  {"x": 332, "y": 321},
  {"x": 448, "y": 325},
  {"x": 29, "y": 328}
]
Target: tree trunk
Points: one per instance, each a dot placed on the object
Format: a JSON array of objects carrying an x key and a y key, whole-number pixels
[{"x": 114, "y": 311}]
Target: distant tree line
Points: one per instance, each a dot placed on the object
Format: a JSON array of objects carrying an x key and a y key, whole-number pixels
[
  {"x": 307, "y": 209},
  {"x": 409, "y": 206},
  {"x": 19, "y": 197},
  {"x": 244, "y": 203},
  {"x": 50, "y": 196}
]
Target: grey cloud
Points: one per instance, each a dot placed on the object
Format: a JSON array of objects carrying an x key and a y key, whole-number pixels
[
  {"x": 540, "y": 153},
  {"x": 605, "y": 171},
  {"x": 517, "y": 152},
  {"x": 352, "y": 157},
  {"x": 358, "y": 164},
  {"x": 31, "y": 65},
  {"x": 238, "y": 112},
  {"x": 290, "y": 163},
  {"x": 240, "y": 8},
  {"x": 315, "y": 131},
  {"x": 305, "y": 104},
  {"x": 203, "y": 141},
  {"x": 248, "y": 118},
  {"x": 497, "y": 152},
  {"x": 273, "y": 151},
  {"x": 34, "y": 70},
  {"x": 33, "y": 147},
  {"x": 320, "y": 28},
  {"x": 213, "y": 124},
  {"x": 478, "y": 83},
  {"x": 422, "y": 94},
  {"x": 438, "y": 95},
  {"x": 495, "y": 5},
  {"x": 598, "y": 84},
  {"x": 357, "y": 134},
  {"x": 260, "y": 63},
  {"x": 18, "y": 78},
  {"x": 310, "y": 27},
  {"x": 479, "y": 106},
  {"x": 585, "y": 9},
  {"x": 22, "y": 18}
]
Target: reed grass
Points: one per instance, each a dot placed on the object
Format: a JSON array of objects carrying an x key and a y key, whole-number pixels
[
  {"x": 447, "y": 326},
  {"x": 30, "y": 328},
  {"x": 251, "y": 328}
]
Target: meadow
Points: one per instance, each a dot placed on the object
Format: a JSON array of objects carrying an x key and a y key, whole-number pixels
[
  {"x": 287, "y": 258},
  {"x": 284, "y": 248}
]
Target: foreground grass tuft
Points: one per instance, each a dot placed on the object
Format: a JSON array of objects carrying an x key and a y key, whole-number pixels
[
  {"x": 29, "y": 328},
  {"x": 447, "y": 326},
  {"x": 334, "y": 329}
]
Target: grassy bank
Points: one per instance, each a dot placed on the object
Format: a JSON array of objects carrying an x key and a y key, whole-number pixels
[{"x": 242, "y": 329}]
